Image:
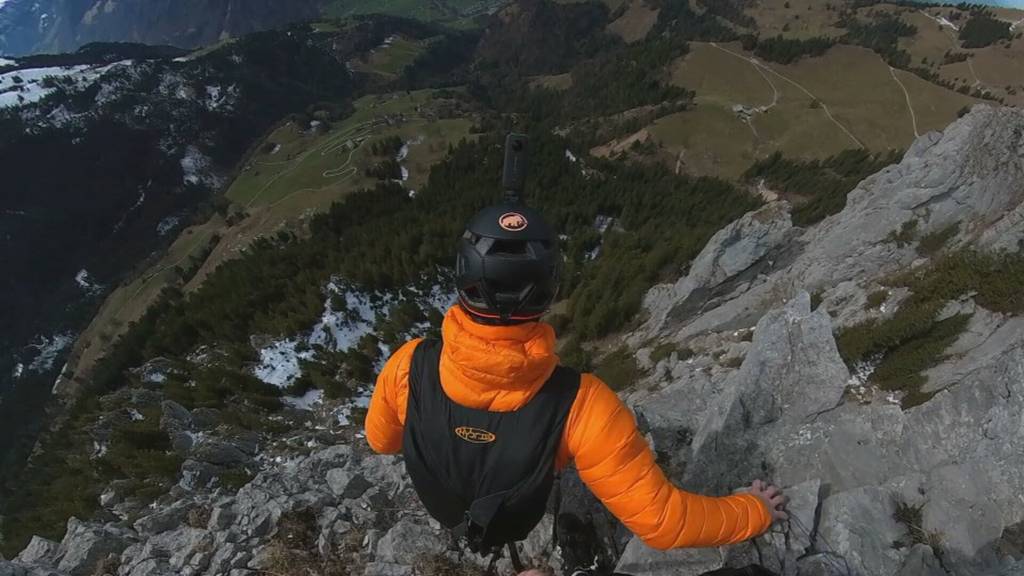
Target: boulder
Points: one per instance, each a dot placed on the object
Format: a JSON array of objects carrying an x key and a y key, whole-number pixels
[
  {"x": 84, "y": 545},
  {"x": 857, "y": 526},
  {"x": 196, "y": 475},
  {"x": 205, "y": 418},
  {"x": 921, "y": 561},
  {"x": 761, "y": 406},
  {"x": 338, "y": 479},
  {"x": 164, "y": 519},
  {"x": 221, "y": 454},
  {"x": 222, "y": 517},
  {"x": 39, "y": 551},
  {"x": 407, "y": 540},
  {"x": 732, "y": 251},
  {"x": 175, "y": 417},
  {"x": 640, "y": 559}
]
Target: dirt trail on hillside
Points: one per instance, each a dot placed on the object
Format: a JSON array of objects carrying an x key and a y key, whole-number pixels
[{"x": 757, "y": 64}]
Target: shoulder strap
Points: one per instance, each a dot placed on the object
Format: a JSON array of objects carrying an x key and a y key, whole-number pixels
[{"x": 425, "y": 357}]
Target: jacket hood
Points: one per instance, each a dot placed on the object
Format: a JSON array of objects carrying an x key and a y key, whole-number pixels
[{"x": 495, "y": 368}]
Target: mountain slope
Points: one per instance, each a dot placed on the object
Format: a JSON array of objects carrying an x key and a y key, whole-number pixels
[
  {"x": 32, "y": 26},
  {"x": 740, "y": 377},
  {"x": 103, "y": 169}
]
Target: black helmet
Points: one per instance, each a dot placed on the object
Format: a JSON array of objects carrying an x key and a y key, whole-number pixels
[{"x": 508, "y": 264}]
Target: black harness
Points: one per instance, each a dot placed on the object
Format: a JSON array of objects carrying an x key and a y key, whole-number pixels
[{"x": 484, "y": 475}]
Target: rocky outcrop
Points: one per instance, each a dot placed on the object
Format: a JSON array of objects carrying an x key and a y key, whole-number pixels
[
  {"x": 738, "y": 253},
  {"x": 877, "y": 490},
  {"x": 969, "y": 176}
]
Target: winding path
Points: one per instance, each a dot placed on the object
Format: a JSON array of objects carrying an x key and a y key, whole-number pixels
[
  {"x": 910, "y": 106},
  {"x": 775, "y": 90},
  {"x": 824, "y": 107},
  {"x": 947, "y": 26},
  {"x": 204, "y": 238},
  {"x": 357, "y": 133}
]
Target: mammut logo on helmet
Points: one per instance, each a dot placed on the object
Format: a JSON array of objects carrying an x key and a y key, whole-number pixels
[
  {"x": 475, "y": 435},
  {"x": 513, "y": 222}
]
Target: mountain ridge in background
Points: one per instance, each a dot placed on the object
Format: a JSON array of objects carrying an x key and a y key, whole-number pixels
[{"x": 54, "y": 26}]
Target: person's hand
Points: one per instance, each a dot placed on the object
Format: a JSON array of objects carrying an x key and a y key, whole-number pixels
[{"x": 772, "y": 497}]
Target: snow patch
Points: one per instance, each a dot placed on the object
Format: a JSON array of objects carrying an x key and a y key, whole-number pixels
[
  {"x": 5, "y": 61},
  {"x": 603, "y": 223},
  {"x": 167, "y": 224},
  {"x": 349, "y": 315},
  {"x": 277, "y": 148},
  {"x": 48, "y": 350},
  {"x": 858, "y": 385},
  {"x": 99, "y": 449},
  {"x": 21, "y": 87},
  {"x": 570, "y": 156},
  {"x": 342, "y": 329},
  {"x": 152, "y": 375},
  {"x": 218, "y": 98},
  {"x": 19, "y": 369},
  {"x": 196, "y": 168},
  {"x": 402, "y": 154},
  {"x": 344, "y": 412},
  {"x": 863, "y": 370},
  {"x": 280, "y": 363},
  {"x": 124, "y": 218},
  {"x": 59, "y": 379},
  {"x": 86, "y": 283},
  {"x": 135, "y": 415},
  {"x": 307, "y": 401}
]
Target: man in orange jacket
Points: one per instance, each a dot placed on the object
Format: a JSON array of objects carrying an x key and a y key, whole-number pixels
[{"x": 486, "y": 416}]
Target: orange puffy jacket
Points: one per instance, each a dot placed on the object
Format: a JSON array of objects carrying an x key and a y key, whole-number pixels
[{"x": 500, "y": 368}]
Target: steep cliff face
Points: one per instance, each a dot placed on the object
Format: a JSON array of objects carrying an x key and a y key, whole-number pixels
[
  {"x": 751, "y": 370},
  {"x": 31, "y": 26}
]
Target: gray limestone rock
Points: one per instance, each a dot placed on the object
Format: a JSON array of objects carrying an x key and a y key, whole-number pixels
[
  {"x": 388, "y": 569},
  {"x": 406, "y": 540},
  {"x": 84, "y": 545},
  {"x": 338, "y": 479},
  {"x": 39, "y": 551},
  {"x": 730, "y": 252},
  {"x": 640, "y": 559},
  {"x": 164, "y": 519},
  {"x": 857, "y": 525},
  {"x": 760, "y": 402},
  {"x": 220, "y": 454},
  {"x": 921, "y": 561},
  {"x": 175, "y": 417}
]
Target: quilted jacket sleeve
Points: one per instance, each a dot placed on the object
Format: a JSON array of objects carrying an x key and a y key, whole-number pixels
[
  {"x": 385, "y": 420},
  {"x": 618, "y": 466}
]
